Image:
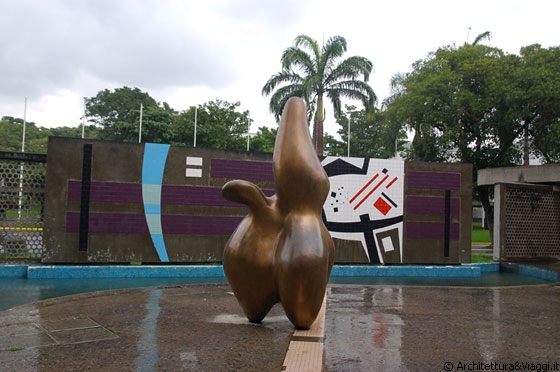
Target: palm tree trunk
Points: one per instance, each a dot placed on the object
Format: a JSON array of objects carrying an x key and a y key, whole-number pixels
[
  {"x": 319, "y": 141},
  {"x": 314, "y": 134},
  {"x": 526, "y": 144},
  {"x": 318, "y": 126}
]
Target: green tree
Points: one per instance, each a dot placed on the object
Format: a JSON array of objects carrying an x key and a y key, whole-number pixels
[
  {"x": 157, "y": 124},
  {"x": 183, "y": 127},
  {"x": 536, "y": 102},
  {"x": 264, "y": 140},
  {"x": 118, "y": 112},
  {"x": 371, "y": 136},
  {"x": 456, "y": 103},
  {"x": 313, "y": 73},
  {"x": 334, "y": 147},
  {"x": 11, "y": 132},
  {"x": 90, "y": 131},
  {"x": 219, "y": 126}
]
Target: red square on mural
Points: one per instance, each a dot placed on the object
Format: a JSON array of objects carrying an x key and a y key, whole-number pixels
[{"x": 382, "y": 206}]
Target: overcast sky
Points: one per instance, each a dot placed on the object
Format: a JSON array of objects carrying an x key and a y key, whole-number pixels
[{"x": 188, "y": 52}]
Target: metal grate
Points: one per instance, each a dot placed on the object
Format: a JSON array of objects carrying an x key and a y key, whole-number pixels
[
  {"x": 532, "y": 222},
  {"x": 22, "y": 195}
]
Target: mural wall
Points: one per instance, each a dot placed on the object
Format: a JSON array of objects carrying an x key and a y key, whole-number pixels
[{"x": 119, "y": 203}]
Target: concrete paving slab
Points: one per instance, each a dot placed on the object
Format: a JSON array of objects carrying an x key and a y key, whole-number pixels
[
  {"x": 180, "y": 328},
  {"x": 441, "y": 328},
  {"x": 364, "y": 328}
]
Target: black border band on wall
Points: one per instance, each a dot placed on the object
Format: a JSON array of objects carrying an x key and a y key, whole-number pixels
[
  {"x": 85, "y": 197},
  {"x": 447, "y": 225}
]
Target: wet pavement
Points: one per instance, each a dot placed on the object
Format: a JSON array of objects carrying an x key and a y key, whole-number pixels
[
  {"x": 180, "y": 328},
  {"x": 367, "y": 328},
  {"x": 442, "y": 328}
]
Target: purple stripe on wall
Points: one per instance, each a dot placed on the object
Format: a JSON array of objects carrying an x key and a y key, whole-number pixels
[
  {"x": 113, "y": 192},
  {"x": 196, "y": 195},
  {"x": 192, "y": 195},
  {"x": 433, "y": 180},
  {"x": 108, "y": 192},
  {"x": 430, "y": 230},
  {"x": 431, "y": 205},
  {"x": 241, "y": 169},
  {"x": 122, "y": 223},
  {"x": 109, "y": 223},
  {"x": 199, "y": 225}
]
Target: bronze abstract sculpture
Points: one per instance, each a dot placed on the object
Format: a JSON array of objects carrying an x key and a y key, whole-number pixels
[{"x": 282, "y": 251}]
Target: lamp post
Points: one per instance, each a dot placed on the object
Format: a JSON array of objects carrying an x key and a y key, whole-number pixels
[
  {"x": 349, "y": 121},
  {"x": 20, "y": 192},
  {"x": 195, "y": 117},
  {"x": 140, "y": 128},
  {"x": 24, "y": 122},
  {"x": 248, "y": 134},
  {"x": 248, "y": 128},
  {"x": 84, "y": 120}
]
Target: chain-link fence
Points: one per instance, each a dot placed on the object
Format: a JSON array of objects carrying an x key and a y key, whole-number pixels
[{"x": 22, "y": 195}]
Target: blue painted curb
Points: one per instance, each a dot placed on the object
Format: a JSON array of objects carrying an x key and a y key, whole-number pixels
[
  {"x": 533, "y": 271},
  {"x": 197, "y": 271},
  {"x": 459, "y": 271},
  {"x": 124, "y": 271},
  {"x": 13, "y": 271},
  {"x": 486, "y": 267},
  {"x": 176, "y": 271}
]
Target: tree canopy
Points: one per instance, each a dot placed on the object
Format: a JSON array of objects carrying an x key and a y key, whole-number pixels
[
  {"x": 476, "y": 104},
  {"x": 115, "y": 115},
  {"x": 371, "y": 135},
  {"x": 471, "y": 103},
  {"x": 312, "y": 72}
]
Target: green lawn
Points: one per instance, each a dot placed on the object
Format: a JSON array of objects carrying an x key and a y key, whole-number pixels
[
  {"x": 479, "y": 235},
  {"x": 478, "y": 258}
]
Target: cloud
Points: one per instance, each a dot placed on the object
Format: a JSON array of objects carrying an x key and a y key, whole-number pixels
[{"x": 187, "y": 52}]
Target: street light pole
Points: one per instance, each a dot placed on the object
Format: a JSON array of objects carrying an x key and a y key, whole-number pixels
[
  {"x": 195, "y": 117},
  {"x": 84, "y": 120},
  {"x": 20, "y": 193},
  {"x": 140, "y": 129},
  {"x": 248, "y": 128},
  {"x": 24, "y": 123},
  {"x": 349, "y": 120}
]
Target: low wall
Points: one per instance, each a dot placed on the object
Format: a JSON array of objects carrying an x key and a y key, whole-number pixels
[{"x": 109, "y": 202}]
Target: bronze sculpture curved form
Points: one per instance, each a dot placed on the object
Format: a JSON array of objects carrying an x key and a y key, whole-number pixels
[{"x": 282, "y": 251}]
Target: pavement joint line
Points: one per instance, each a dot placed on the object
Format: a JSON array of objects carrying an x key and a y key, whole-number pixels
[{"x": 306, "y": 348}]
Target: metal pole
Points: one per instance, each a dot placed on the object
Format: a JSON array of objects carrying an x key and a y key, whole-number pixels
[
  {"x": 140, "y": 130},
  {"x": 349, "y": 120},
  {"x": 20, "y": 193},
  {"x": 195, "y": 118},
  {"x": 248, "y": 128},
  {"x": 84, "y": 120},
  {"x": 24, "y": 122}
]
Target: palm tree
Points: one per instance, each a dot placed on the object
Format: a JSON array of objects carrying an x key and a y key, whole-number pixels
[
  {"x": 485, "y": 35},
  {"x": 316, "y": 74}
]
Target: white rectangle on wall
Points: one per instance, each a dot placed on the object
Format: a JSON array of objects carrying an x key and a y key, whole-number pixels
[
  {"x": 194, "y": 172},
  {"x": 191, "y": 160},
  {"x": 387, "y": 244}
]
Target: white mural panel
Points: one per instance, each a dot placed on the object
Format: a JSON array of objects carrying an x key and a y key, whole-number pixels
[{"x": 365, "y": 204}]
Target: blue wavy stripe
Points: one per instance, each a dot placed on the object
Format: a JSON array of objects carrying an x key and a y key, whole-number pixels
[{"x": 153, "y": 166}]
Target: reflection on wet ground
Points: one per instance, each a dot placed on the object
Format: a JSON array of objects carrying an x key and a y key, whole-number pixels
[
  {"x": 202, "y": 328},
  {"x": 422, "y": 328},
  {"x": 180, "y": 328},
  {"x": 20, "y": 291}
]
